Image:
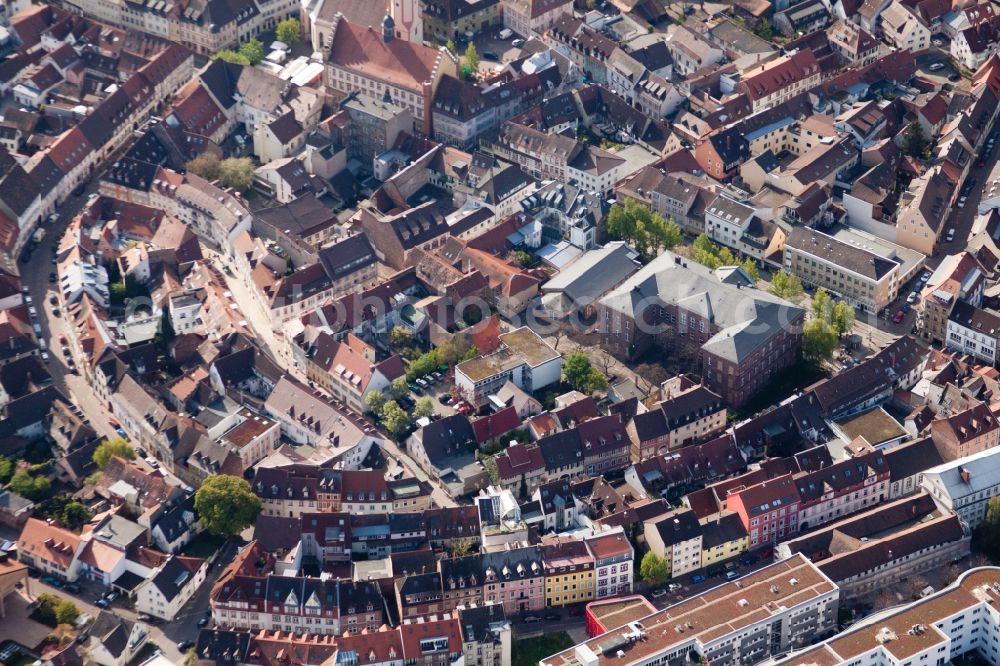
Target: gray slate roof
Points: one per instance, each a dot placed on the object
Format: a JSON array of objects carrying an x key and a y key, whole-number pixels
[{"x": 747, "y": 317}]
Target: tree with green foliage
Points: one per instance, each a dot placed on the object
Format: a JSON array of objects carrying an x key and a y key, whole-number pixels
[
  {"x": 490, "y": 465},
  {"x": 707, "y": 253},
  {"x": 235, "y": 57},
  {"x": 75, "y": 516},
  {"x": 253, "y": 51},
  {"x": 236, "y": 172},
  {"x": 914, "y": 143},
  {"x": 653, "y": 569},
  {"x": 648, "y": 232},
  {"x": 764, "y": 30},
  {"x": 93, "y": 478},
  {"x": 398, "y": 388},
  {"x": 822, "y": 304},
  {"x": 749, "y": 267},
  {"x": 205, "y": 165},
  {"x": 6, "y": 469},
  {"x": 841, "y": 317},
  {"x": 819, "y": 339},
  {"x": 25, "y": 484},
  {"x": 423, "y": 408},
  {"x": 460, "y": 547},
  {"x": 375, "y": 401},
  {"x": 576, "y": 369},
  {"x": 288, "y": 31},
  {"x": 400, "y": 337},
  {"x": 837, "y": 314},
  {"x": 226, "y": 504},
  {"x": 53, "y": 610},
  {"x": 522, "y": 258},
  {"x": 455, "y": 350},
  {"x": 450, "y": 45},
  {"x": 395, "y": 419},
  {"x": 787, "y": 286},
  {"x": 986, "y": 537},
  {"x": 424, "y": 365},
  {"x": 470, "y": 63},
  {"x": 110, "y": 448},
  {"x": 581, "y": 375}
]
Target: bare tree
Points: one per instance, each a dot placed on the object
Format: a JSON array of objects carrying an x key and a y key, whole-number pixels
[
  {"x": 884, "y": 599},
  {"x": 917, "y": 585}
]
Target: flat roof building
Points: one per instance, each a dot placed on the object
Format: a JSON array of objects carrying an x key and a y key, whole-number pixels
[{"x": 782, "y": 607}]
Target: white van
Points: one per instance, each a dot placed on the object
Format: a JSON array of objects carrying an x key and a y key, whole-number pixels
[{"x": 506, "y": 33}]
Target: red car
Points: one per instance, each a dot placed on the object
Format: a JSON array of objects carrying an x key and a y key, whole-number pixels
[{"x": 898, "y": 318}]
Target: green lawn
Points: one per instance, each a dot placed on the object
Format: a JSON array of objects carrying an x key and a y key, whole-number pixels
[
  {"x": 204, "y": 546},
  {"x": 530, "y": 651}
]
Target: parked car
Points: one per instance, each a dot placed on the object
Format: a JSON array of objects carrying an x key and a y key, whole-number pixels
[
  {"x": 659, "y": 593},
  {"x": 732, "y": 575},
  {"x": 912, "y": 298},
  {"x": 749, "y": 559},
  {"x": 552, "y": 617},
  {"x": 445, "y": 398},
  {"x": 517, "y": 43},
  {"x": 924, "y": 277},
  {"x": 933, "y": 67},
  {"x": 490, "y": 55},
  {"x": 531, "y": 619},
  {"x": 184, "y": 646},
  {"x": 202, "y": 623},
  {"x": 73, "y": 587},
  {"x": 954, "y": 76},
  {"x": 101, "y": 603},
  {"x": 697, "y": 578},
  {"x": 52, "y": 278},
  {"x": 950, "y": 236},
  {"x": 898, "y": 319},
  {"x": 673, "y": 587}
]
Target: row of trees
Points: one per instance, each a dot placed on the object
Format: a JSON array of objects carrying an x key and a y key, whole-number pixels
[
  {"x": 707, "y": 253},
  {"x": 641, "y": 228},
  {"x": 234, "y": 172}
]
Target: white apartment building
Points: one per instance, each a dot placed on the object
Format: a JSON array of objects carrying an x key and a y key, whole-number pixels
[
  {"x": 726, "y": 221},
  {"x": 677, "y": 538},
  {"x": 974, "y": 331},
  {"x": 932, "y": 631},
  {"x": 965, "y": 486},
  {"x": 524, "y": 358},
  {"x": 782, "y": 607}
]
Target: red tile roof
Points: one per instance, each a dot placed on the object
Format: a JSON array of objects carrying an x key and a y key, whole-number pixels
[
  {"x": 494, "y": 425},
  {"x": 397, "y": 62}
]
